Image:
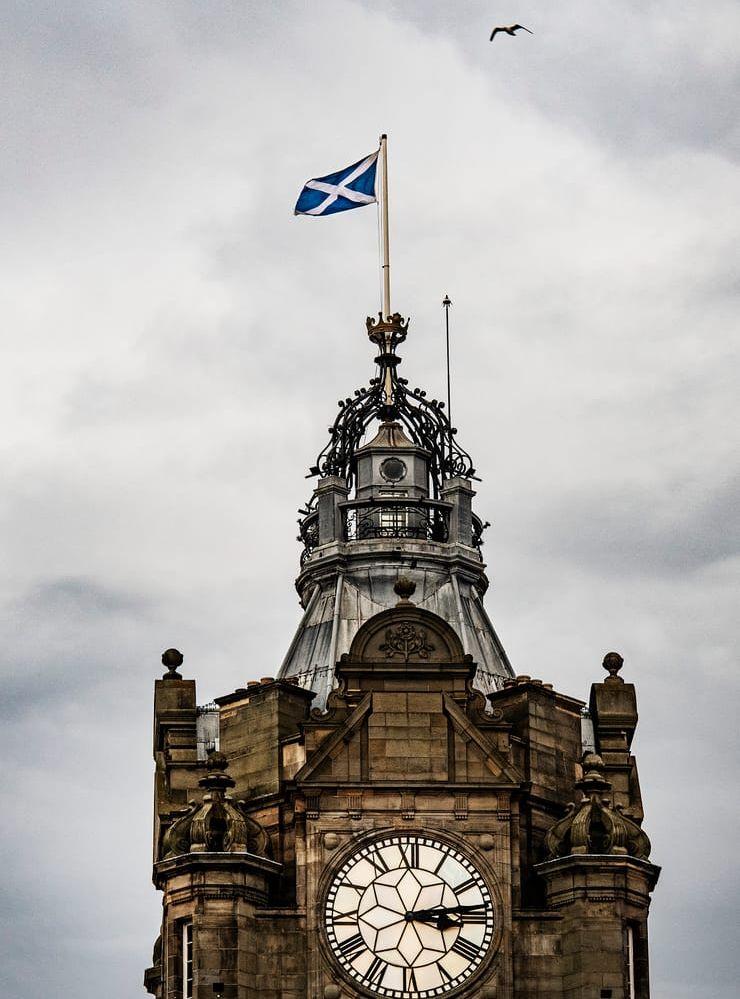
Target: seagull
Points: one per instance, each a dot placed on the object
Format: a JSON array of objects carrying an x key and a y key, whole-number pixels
[{"x": 510, "y": 30}]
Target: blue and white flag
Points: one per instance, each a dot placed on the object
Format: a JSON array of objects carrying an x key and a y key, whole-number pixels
[{"x": 352, "y": 187}]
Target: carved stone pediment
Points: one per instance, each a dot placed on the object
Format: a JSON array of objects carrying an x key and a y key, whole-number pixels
[{"x": 406, "y": 634}]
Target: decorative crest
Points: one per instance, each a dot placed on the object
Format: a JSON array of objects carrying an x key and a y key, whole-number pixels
[{"x": 406, "y": 641}]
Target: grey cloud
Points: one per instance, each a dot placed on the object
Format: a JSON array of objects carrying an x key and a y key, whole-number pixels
[
  {"x": 81, "y": 597},
  {"x": 634, "y": 531},
  {"x": 655, "y": 78},
  {"x": 66, "y": 637},
  {"x": 176, "y": 342}
]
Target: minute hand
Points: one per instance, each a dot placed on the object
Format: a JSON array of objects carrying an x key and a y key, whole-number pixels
[
  {"x": 442, "y": 916},
  {"x": 443, "y": 911}
]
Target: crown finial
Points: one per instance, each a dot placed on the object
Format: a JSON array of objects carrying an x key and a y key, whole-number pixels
[
  {"x": 394, "y": 326},
  {"x": 172, "y": 658},
  {"x": 613, "y": 662}
]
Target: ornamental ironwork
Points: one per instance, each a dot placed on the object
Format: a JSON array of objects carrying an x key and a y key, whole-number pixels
[
  {"x": 479, "y": 527},
  {"x": 309, "y": 528},
  {"x": 388, "y": 397},
  {"x": 423, "y": 521}
]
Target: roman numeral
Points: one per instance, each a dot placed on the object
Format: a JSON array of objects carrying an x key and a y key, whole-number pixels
[
  {"x": 444, "y": 973},
  {"x": 376, "y": 972},
  {"x": 475, "y": 917},
  {"x": 465, "y": 886},
  {"x": 410, "y": 854},
  {"x": 466, "y": 949},
  {"x": 409, "y": 979},
  {"x": 379, "y": 864},
  {"x": 438, "y": 868},
  {"x": 352, "y": 946},
  {"x": 345, "y": 918}
]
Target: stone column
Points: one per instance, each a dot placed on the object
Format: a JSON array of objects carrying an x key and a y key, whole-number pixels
[
  {"x": 613, "y": 708},
  {"x": 603, "y": 901},
  {"x": 175, "y": 742},
  {"x": 459, "y": 492},
  {"x": 330, "y": 492},
  {"x": 218, "y": 893}
]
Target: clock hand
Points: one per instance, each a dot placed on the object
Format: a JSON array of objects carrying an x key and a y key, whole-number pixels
[
  {"x": 440, "y": 910},
  {"x": 442, "y": 915}
]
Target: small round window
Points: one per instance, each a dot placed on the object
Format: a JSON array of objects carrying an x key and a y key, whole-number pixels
[{"x": 393, "y": 470}]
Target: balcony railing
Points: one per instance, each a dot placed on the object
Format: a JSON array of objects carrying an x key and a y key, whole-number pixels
[{"x": 423, "y": 521}]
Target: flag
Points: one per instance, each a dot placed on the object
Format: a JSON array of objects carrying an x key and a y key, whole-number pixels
[{"x": 352, "y": 187}]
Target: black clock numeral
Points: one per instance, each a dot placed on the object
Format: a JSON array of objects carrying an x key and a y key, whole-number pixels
[
  {"x": 376, "y": 972},
  {"x": 378, "y": 863},
  {"x": 466, "y": 949},
  {"x": 345, "y": 918},
  {"x": 465, "y": 886},
  {"x": 475, "y": 917},
  {"x": 409, "y": 979},
  {"x": 410, "y": 854},
  {"x": 352, "y": 946},
  {"x": 444, "y": 973}
]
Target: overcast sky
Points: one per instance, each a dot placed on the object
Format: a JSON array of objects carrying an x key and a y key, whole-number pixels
[{"x": 175, "y": 342}]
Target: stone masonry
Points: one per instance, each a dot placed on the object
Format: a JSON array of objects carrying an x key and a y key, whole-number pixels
[{"x": 406, "y": 744}]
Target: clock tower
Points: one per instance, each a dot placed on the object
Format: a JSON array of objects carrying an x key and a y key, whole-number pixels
[{"x": 397, "y": 813}]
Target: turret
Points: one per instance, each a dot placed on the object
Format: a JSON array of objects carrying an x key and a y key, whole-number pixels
[{"x": 398, "y": 503}]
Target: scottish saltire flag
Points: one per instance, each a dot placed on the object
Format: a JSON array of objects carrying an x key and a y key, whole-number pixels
[{"x": 352, "y": 187}]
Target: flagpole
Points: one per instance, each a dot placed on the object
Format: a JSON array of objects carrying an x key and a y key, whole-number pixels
[
  {"x": 386, "y": 266},
  {"x": 446, "y": 304}
]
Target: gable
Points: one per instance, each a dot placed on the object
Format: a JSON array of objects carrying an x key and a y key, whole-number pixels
[{"x": 400, "y": 737}]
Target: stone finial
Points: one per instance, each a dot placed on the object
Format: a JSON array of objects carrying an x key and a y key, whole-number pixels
[
  {"x": 613, "y": 662},
  {"x": 216, "y": 779},
  {"x": 405, "y": 589},
  {"x": 593, "y": 826},
  {"x": 593, "y": 781},
  {"x": 172, "y": 658}
]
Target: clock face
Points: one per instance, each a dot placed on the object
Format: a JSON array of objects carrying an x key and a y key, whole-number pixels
[
  {"x": 409, "y": 917},
  {"x": 393, "y": 469}
]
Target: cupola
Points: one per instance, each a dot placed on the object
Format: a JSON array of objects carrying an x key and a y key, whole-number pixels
[{"x": 394, "y": 495}]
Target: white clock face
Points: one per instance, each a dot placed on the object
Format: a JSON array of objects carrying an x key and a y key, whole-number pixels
[{"x": 409, "y": 917}]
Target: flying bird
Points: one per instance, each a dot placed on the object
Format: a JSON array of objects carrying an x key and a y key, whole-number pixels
[{"x": 510, "y": 30}]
